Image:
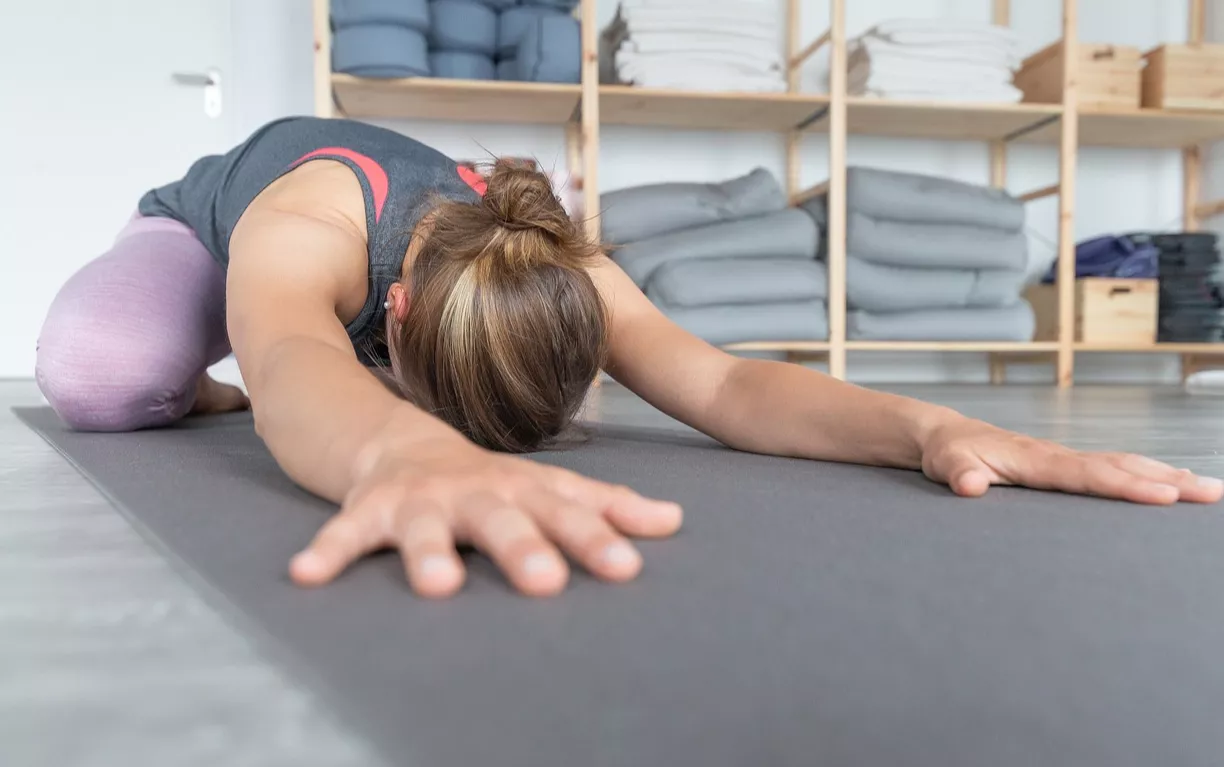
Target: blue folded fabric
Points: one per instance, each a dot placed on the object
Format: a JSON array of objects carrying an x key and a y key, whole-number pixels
[
  {"x": 551, "y": 51},
  {"x": 463, "y": 25},
  {"x": 413, "y": 14},
  {"x": 508, "y": 69},
  {"x": 563, "y": 5},
  {"x": 514, "y": 22},
  {"x": 380, "y": 50},
  {"x": 462, "y": 66},
  {"x": 1112, "y": 256},
  {"x": 500, "y": 5}
]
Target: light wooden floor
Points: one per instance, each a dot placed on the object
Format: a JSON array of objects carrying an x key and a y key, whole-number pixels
[{"x": 107, "y": 657}]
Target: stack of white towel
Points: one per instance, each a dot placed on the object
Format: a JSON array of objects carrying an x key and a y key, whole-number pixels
[
  {"x": 704, "y": 45},
  {"x": 933, "y": 59}
]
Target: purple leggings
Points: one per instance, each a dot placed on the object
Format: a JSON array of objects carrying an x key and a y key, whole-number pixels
[{"x": 129, "y": 335}]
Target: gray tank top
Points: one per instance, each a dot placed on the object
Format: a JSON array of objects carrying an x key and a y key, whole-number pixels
[{"x": 399, "y": 177}]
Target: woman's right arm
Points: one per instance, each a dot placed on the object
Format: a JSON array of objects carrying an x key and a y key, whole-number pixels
[
  {"x": 316, "y": 407},
  {"x": 403, "y": 478}
]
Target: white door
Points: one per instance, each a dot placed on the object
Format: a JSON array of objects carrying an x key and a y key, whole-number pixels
[{"x": 91, "y": 117}]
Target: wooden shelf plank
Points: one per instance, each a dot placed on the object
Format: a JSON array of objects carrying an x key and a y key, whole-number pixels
[
  {"x": 627, "y": 105},
  {"x": 427, "y": 98},
  {"x": 952, "y": 121},
  {"x": 951, "y": 346},
  {"x": 486, "y": 101},
  {"x": 1158, "y": 348},
  {"x": 778, "y": 346},
  {"x": 1139, "y": 128}
]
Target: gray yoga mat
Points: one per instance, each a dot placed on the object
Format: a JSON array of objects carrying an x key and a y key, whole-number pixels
[{"x": 807, "y": 614}]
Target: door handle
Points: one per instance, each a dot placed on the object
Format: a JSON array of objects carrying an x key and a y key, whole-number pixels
[{"x": 210, "y": 81}]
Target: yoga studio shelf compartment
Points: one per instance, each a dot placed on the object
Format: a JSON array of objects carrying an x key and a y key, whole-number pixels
[{"x": 582, "y": 108}]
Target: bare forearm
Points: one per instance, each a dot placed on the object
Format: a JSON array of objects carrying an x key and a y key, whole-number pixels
[
  {"x": 317, "y": 410},
  {"x": 783, "y": 409}
]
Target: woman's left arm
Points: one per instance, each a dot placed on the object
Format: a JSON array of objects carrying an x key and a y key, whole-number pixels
[{"x": 783, "y": 409}]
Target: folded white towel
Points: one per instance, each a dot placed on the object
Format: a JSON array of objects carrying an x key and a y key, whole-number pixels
[
  {"x": 661, "y": 43},
  {"x": 946, "y": 73},
  {"x": 945, "y": 28},
  {"x": 634, "y": 63},
  {"x": 863, "y": 83},
  {"x": 732, "y": 32},
  {"x": 698, "y": 75},
  {"x": 682, "y": 18},
  {"x": 969, "y": 53},
  {"x": 1002, "y": 95},
  {"x": 741, "y": 59}
]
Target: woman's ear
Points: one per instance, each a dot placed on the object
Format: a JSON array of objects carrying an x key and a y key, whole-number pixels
[{"x": 397, "y": 297}]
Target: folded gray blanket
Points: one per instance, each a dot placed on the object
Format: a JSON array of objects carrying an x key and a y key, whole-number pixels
[
  {"x": 925, "y": 199},
  {"x": 713, "y": 282},
  {"x": 629, "y": 215},
  {"x": 934, "y": 246},
  {"x": 797, "y": 321},
  {"x": 1004, "y": 323},
  {"x": 788, "y": 233},
  {"x": 883, "y": 288}
]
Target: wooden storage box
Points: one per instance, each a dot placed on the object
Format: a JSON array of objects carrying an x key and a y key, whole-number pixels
[
  {"x": 1184, "y": 76},
  {"x": 1107, "y": 311},
  {"x": 1109, "y": 76}
]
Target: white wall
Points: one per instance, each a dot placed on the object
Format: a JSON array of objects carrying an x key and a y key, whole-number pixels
[
  {"x": 89, "y": 119},
  {"x": 1118, "y": 190}
]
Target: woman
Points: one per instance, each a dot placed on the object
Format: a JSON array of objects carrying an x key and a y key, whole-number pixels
[{"x": 325, "y": 250}]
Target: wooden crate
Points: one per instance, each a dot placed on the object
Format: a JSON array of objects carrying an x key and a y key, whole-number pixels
[
  {"x": 1107, "y": 311},
  {"x": 1109, "y": 76},
  {"x": 1184, "y": 76}
]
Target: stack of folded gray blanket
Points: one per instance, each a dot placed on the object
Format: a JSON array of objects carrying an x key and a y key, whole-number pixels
[
  {"x": 932, "y": 259},
  {"x": 728, "y": 262}
]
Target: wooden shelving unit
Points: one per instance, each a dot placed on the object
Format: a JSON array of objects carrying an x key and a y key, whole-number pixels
[{"x": 583, "y": 108}]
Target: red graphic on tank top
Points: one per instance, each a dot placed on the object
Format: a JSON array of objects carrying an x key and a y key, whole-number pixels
[
  {"x": 375, "y": 176},
  {"x": 473, "y": 179}
]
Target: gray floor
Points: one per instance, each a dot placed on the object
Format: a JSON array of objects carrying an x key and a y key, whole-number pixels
[{"x": 108, "y": 658}]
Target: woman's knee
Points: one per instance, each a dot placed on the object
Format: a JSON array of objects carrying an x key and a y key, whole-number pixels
[
  {"x": 127, "y": 337},
  {"x": 96, "y": 385}
]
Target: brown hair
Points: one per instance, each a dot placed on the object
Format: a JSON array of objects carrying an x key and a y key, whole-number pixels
[{"x": 505, "y": 329}]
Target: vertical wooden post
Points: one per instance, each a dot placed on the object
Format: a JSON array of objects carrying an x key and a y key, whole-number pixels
[
  {"x": 1192, "y": 165},
  {"x": 324, "y": 105},
  {"x": 1192, "y": 175},
  {"x": 1000, "y": 15},
  {"x": 1068, "y": 151},
  {"x": 588, "y": 131},
  {"x": 1198, "y": 20},
  {"x": 793, "y": 137},
  {"x": 837, "y": 190},
  {"x": 590, "y": 117},
  {"x": 573, "y": 156}
]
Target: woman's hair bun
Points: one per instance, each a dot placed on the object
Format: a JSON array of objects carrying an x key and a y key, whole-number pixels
[{"x": 522, "y": 198}]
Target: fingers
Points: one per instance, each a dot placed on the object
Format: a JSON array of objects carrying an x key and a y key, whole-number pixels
[
  {"x": 588, "y": 537},
  {"x": 430, "y": 561},
  {"x": 626, "y": 510},
  {"x": 1096, "y": 475},
  {"x": 345, "y": 538},
  {"x": 1190, "y": 487},
  {"x": 510, "y": 537}
]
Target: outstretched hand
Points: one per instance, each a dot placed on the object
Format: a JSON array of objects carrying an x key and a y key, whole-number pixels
[
  {"x": 970, "y": 456},
  {"x": 520, "y": 513}
]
